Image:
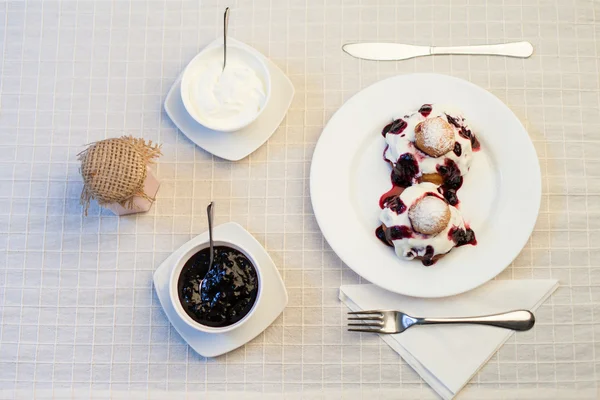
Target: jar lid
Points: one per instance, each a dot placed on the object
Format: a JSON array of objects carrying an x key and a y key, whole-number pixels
[{"x": 114, "y": 170}]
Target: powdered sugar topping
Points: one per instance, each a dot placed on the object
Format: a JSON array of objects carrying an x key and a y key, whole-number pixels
[
  {"x": 429, "y": 213},
  {"x": 438, "y": 134}
]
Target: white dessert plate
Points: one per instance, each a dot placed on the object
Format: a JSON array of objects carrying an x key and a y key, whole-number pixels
[
  {"x": 500, "y": 196},
  {"x": 236, "y": 145},
  {"x": 271, "y": 303}
]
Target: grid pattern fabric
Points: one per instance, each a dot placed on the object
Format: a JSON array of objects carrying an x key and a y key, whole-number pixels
[{"x": 78, "y": 313}]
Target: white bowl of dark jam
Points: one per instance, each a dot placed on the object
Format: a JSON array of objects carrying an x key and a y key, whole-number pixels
[{"x": 229, "y": 295}]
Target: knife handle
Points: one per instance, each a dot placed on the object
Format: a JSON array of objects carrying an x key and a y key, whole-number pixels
[{"x": 518, "y": 49}]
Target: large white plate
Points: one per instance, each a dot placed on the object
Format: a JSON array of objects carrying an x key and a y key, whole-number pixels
[{"x": 500, "y": 196}]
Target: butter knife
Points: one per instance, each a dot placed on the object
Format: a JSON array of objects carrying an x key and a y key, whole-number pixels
[{"x": 398, "y": 51}]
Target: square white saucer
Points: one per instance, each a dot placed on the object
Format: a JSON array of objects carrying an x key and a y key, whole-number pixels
[
  {"x": 234, "y": 146},
  {"x": 273, "y": 300}
]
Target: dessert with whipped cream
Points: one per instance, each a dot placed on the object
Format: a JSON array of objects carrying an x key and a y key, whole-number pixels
[
  {"x": 420, "y": 224},
  {"x": 430, "y": 145}
]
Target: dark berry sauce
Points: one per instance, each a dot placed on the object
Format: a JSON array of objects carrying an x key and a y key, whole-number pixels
[
  {"x": 391, "y": 199},
  {"x": 464, "y": 132},
  {"x": 395, "y": 127},
  {"x": 425, "y": 110},
  {"x": 405, "y": 170},
  {"x": 451, "y": 197},
  {"x": 387, "y": 146},
  {"x": 428, "y": 257},
  {"x": 462, "y": 237},
  {"x": 380, "y": 233},
  {"x": 396, "y": 232},
  {"x": 229, "y": 289},
  {"x": 433, "y": 195},
  {"x": 467, "y": 134},
  {"x": 452, "y": 180},
  {"x": 399, "y": 232},
  {"x": 457, "y": 149},
  {"x": 453, "y": 121},
  {"x": 475, "y": 143}
]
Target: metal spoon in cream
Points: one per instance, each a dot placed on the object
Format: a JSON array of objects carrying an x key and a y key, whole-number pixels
[{"x": 227, "y": 96}]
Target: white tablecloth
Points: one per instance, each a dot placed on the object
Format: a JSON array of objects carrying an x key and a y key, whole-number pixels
[{"x": 77, "y": 309}]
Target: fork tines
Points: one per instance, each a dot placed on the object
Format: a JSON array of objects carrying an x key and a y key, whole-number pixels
[{"x": 373, "y": 321}]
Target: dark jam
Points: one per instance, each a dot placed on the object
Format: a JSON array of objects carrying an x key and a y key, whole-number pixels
[
  {"x": 425, "y": 110},
  {"x": 229, "y": 289},
  {"x": 457, "y": 149},
  {"x": 475, "y": 143},
  {"x": 380, "y": 233},
  {"x": 464, "y": 132},
  {"x": 428, "y": 257},
  {"x": 452, "y": 180},
  {"x": 453, "y": 121},
  {"x": 405, "y": 170},
  {"x": 391, "y": 199},
  {"x": 462, "y": 237},
  {"x": 398, "y": 232},
  {"x": 395, "y": 127},
  {"x": 467, "y": 134}
]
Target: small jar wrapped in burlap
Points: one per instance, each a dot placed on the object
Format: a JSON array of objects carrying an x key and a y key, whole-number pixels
[{"x": 115, "y": 173}]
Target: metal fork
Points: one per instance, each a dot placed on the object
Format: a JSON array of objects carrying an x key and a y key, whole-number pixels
[{"x": 390, "y": 321}]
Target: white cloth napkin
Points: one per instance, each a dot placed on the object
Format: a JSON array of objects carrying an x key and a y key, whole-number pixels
[{"x": 447, "y": 357}]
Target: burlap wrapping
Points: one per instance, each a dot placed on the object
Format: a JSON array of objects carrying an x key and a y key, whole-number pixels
[{"x": 114, "y": 170}]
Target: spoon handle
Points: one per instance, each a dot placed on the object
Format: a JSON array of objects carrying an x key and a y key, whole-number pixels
[
  {"x": 225, "y": 26},
  {"x": 209, "y": 212}
]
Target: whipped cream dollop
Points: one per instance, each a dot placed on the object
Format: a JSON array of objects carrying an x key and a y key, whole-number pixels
[
  {"x": 412, "y": 244},
  {"x": 404, "y": 141},
  {"x": 227, "y": 97}
]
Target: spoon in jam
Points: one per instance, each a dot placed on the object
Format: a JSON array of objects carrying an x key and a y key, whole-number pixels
[{"x": 209, "y": 213}]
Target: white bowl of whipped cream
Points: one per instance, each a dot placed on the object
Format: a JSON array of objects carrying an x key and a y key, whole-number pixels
[{"x": 230, "y": 99}]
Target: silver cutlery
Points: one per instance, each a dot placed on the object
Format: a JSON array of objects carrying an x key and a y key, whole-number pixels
[
  {"x": 209, "y": 214},
  {"x": 398, "y": 51},
  {"x": 211, "y": 243},
  {"x": 225, "y": 27},
  {"x": 390, "y": 321}
]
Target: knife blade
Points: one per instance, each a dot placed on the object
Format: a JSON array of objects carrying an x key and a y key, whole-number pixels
[
  {"x": 399, "y": 51},
  {"x": 385, "y": 51}
]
